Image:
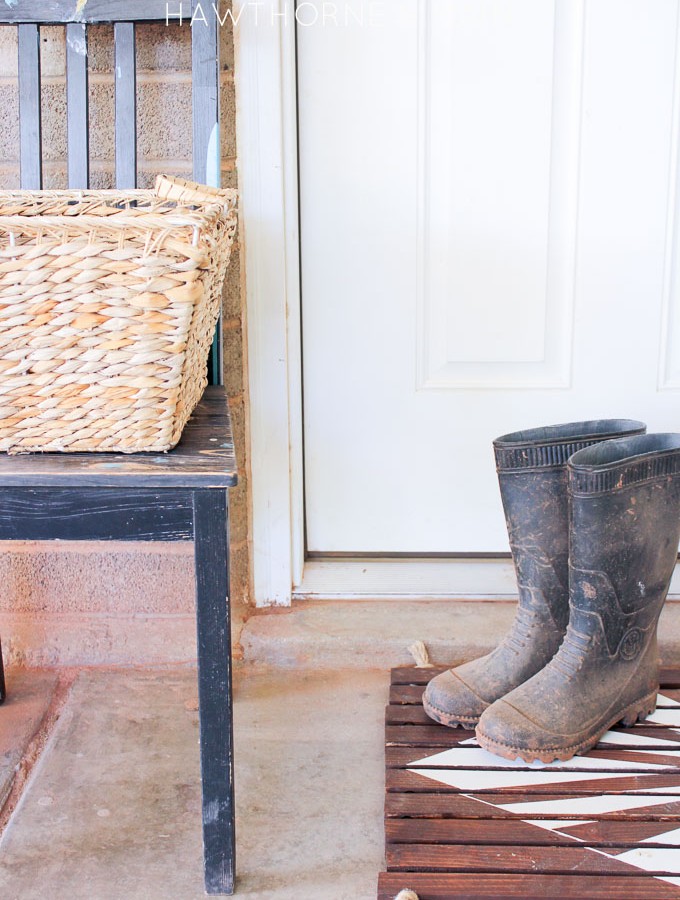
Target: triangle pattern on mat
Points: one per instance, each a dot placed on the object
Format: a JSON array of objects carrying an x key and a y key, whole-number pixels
[{"x": 471, "y": 769}]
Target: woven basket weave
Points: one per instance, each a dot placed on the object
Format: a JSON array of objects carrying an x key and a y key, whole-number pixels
[{"x": 108, "y": 304}]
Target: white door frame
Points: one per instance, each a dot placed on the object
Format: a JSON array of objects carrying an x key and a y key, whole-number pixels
[
  {"x": 266, "y": 124},
  {"x": 266, "y": 117}
]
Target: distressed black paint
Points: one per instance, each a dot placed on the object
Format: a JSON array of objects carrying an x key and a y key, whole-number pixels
[
  {"x": 95, "y": 514},
  {"x": 175, "y": 496},
  {"x": 211, "y": 529}
]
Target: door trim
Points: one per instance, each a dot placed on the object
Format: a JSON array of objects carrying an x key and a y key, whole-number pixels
[
  {"x": 266, "y": 120},
  {"x": 406, "y": 579},
  {"x": 416, "y": 579}
]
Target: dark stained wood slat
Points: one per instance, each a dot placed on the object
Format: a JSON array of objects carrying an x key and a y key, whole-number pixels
[
  {"x": 126, "y": 105},
  {"x": 490, "y": 831},
  {"x": 415, "y": 674},
  {"x": 412, "y": 695},
  {"x": 459, "y": 806},
  {"x": 481, "y": 886},
  {"x": 406, "y": 714},
  {"x": 410, "y": 736},
  {"x": 669, "y": 676},
  {"x": 436, "y": 736},
  {"x": 94, "y": 11},
  {"x": 402, "y": 780},
  {"x": 653, "y": 833},
  {"x": 557, "y": 860},
  {"x": 414, "y": 714},
  {"x": 426, "y": 735},
  {"x": 637, "y": 761},
  {"x": 407, "y": 693},
  {"x": 188, "y": 465},
  {"x": 30, "y": 132},
  {"x": 77, "y": 105}
]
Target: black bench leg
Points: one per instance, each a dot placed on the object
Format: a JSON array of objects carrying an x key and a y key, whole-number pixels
[
  {"x": 211, "y": 532},
  {"x": 3, "y": 692}
]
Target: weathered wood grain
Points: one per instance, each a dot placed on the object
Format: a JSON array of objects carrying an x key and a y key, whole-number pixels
[
  {"x": 204, "y": 457},
  {"x": 557, "y": 860},
  {"x": 483, "y": 886},
  {"x": 426, "y": 735},
  {"x": 406, "y": 780},
  {"x": 459, "y": 806},
  {"x": 492, "y": 831},
  {"x": 413, "y": 675},
  {"x": 211, "y": 526},
  {"x": 399, "y": 757},
  {"x": 95, "y": 514}
]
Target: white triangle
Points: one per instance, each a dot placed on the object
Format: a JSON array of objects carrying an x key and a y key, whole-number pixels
[
  {"x": 476, "y": 757},
  {"x": 666, "y": 837},
  {"x": 652, "y": 859},
  {"x": 664, "y": 717},
  {"x": 586, "y": 806},
  {"x": 661, "y": 699},
  {"x": 631, "y": 738}
]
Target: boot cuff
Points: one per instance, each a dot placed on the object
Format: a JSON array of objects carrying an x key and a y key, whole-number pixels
[
  {"x": 615, "y": 464},
  {"x": 552, "y": 445}
]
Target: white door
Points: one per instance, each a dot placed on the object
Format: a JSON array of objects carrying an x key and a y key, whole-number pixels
[{"x": 489, "y": 242}]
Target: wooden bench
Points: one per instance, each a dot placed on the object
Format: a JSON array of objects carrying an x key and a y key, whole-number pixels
[{"x": 178, "y": 496}]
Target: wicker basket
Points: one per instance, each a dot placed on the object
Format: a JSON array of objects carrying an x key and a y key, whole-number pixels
[{"x": 108, "y": 303}]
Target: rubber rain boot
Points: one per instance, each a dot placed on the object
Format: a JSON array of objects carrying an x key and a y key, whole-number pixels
[
  {"x": 624, "y": 534},
  {"x": 532, "y": 476}
]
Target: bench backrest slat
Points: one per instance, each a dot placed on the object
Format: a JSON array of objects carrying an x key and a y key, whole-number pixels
[
  {"x": 77, "y": 106},
  {"x": 30, "y": 138},
  {"x": 126, "y": 105}
]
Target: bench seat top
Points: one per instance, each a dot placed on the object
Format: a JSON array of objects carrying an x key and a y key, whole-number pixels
[{"x": 204, "y": 458}]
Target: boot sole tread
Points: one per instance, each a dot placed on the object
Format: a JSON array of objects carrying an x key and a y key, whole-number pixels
[
  {"x": 633, "y": 713},
  {"x": 449, "y": 720}
]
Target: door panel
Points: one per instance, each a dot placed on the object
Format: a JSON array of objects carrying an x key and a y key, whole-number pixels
[{"x": 488, "y": 244}]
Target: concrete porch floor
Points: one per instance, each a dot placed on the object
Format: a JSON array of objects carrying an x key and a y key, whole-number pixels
[{"x": 111, "y": 807}]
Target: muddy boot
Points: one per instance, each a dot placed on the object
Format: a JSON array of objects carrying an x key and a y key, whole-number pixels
[
  {"x": 533, "y": 481},
  {"x": 624, "y": 533}
]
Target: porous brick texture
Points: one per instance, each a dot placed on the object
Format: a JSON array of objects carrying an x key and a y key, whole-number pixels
[{"x": 96, "y": 603}]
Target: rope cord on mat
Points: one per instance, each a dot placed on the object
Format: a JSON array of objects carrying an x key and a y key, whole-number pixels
[{"x": 419, "y": 652}]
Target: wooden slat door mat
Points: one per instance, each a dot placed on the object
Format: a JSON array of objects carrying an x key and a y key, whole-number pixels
[{"x": 461, "y": 822}]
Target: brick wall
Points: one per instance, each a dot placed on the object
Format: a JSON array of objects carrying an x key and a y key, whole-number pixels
[{"x": 120, "y": 603}]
